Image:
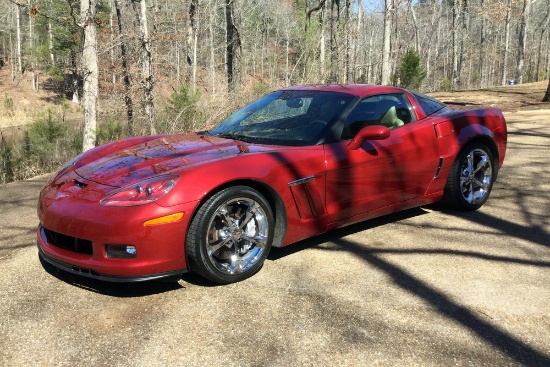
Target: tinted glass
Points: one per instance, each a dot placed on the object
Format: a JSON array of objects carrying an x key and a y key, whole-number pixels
[
  {"x": 391, "y": 110},
  {"x": 285, "y": 118},
  {"x": 429, "y": 105}
]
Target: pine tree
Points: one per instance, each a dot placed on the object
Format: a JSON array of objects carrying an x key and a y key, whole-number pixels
[{"x": 411, "y": 71}]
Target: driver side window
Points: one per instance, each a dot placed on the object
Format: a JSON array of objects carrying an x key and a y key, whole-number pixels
[{"x": 391, "y": 110}]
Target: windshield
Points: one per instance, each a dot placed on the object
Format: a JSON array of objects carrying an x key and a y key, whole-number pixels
[{"x": 285, "y": 118}]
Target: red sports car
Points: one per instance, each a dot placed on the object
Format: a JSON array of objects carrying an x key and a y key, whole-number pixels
[{"x": 295, "y": 163}]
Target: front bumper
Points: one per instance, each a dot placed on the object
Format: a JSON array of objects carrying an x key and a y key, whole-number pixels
[
  {"x": 75, "y": 233},
  {"x": 94, "y": 275}
]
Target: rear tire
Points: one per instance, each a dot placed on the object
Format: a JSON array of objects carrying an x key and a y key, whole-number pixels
[
  {"x": 471, "y": 178},
  {"x": 231, "y": 235}
]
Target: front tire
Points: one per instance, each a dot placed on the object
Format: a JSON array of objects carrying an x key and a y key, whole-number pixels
[
  {"x": 471, "y": 178},
  {"x": 231, "y": 235}
]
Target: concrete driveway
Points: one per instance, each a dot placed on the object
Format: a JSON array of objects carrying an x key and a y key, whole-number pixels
[{"x": 426, "y": 287}]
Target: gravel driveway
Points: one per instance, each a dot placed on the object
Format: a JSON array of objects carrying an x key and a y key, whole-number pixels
[{"x": 426, "y": 287}]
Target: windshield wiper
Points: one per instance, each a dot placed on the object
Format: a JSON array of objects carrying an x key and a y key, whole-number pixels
[{"x": 234, "y": 136}]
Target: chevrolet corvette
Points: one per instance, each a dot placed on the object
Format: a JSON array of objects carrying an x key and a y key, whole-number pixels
[{"x": 295, "y": 163}]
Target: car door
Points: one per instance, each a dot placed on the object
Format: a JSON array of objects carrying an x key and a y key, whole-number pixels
[{"x": 381, "y": 172}]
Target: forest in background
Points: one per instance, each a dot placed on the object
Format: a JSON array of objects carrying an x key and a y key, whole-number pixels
[{"x": 152, "y": 66}]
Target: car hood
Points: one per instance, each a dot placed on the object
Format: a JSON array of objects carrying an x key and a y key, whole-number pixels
[{"x": 165, "y": 154}]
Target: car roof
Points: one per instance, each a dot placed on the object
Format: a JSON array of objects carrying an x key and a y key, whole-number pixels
[{"x": 360, "y": 90}]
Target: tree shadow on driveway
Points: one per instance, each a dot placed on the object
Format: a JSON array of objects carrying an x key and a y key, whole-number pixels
[{"x": 499, "y": 339}]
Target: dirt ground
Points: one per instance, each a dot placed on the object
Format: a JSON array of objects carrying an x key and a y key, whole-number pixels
[
  {"x": 508, "y": 98},
  {"x": 25, "y": 103}
]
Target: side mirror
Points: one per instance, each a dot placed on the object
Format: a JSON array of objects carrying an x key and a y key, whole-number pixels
[{"x": 374, "y": 132}]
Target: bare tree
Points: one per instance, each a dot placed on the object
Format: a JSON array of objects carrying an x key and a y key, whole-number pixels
[
  {"x": 546, "y": 97},
  {"x": 90, "y": 72},
  {"x": 17, "y": 9},
  {"x": 460, "y": 31},
  {"x": 522, "y": 39},
  {"x": 192, "y": 43},
  {"x": 386, "y": 67},
  {"x": 233, "y": 47},
  {"x": 125, "y": 72},
  {"x": 506, "y": 42},
  {"x": 147, "y": 82}
]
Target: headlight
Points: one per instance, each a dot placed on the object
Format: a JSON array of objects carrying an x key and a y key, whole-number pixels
[{"x": 143, "y": 192}]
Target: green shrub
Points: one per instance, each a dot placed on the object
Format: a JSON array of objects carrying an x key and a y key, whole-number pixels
[
  {"x": 181, "y": 113},
  {"x": 110, "y": 130},
  {"x": 6, "y": 162},
  {"x": 8, "y": 105},
  {"x": 411, "y": 72},
  {"x": 445, "y": 85}
]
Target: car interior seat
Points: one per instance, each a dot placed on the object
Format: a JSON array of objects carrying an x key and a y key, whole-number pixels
[{"x": 390, "y": 119}]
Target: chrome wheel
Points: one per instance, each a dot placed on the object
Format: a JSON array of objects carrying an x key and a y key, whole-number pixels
[
  {"x": 237, "y": 235},
  {"x": 476, "y": 176},
  {"x": 471, "y": 177},
  {"x": 231, "y": 235}
]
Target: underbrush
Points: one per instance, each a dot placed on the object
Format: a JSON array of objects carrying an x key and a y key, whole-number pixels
[
  {"x": 45, "y": 146},
  {"x": 50, "y": 140}
]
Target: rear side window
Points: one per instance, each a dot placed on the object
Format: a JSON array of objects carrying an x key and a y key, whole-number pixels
[{"x": 429, "y": 105}]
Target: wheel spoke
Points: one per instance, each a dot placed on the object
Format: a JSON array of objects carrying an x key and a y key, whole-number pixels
[
  {"x": 250, "y": 213},
  {"x": 482, "y": 163},
  {"x": 258, "y": 240},
  {"x": 470, "y": 162},
  {"x": 214, "y": 247},
  {"x": 235, "y": 264},
  {"x": 481, "y": 184},
  {"x": 223, "y": 212}
]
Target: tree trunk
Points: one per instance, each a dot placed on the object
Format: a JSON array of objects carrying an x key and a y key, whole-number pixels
[
  {"x": 465, "y": 19},
  {"x": 34, "y": 71},
  {"x": 334, "y": 64},
  {"x": 89, "y": 72},
  {"x": 387, "y": 37},
  {"x": 125, "y": 73},
  {"x": 212, "y": 47},
  {"x": 522, "y": 39},
  {"x": 543, "y": 29},
  {"x": 322, "y": 45},
  {"x": 233, "y": 49},
  {"x": 50, "y": 42},
  {"x": 546, "y": 97},
  {"x": 481, "y": 49},
  {"x": 459, "y": 31},
  {"x": 355, "y": 45},
  {"x": 146, "y": 64},
  {"x": 415, "y": 24},
  {"x": 348, "y": 54},
  {"x": 192, "y": 44},
  {"x": 18, "y": 28},
  {"x": 506, "y": 42},
  {"x": 74, "y": 78}
]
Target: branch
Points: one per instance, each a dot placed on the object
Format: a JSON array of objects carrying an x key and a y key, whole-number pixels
[
  {"x": 310, "y": 11},
  {"x": 34, "y": 12}
]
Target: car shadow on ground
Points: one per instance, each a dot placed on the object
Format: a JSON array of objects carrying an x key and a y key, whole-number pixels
[
  {"x": 147, "y": 288},
  {"x": 278, "y": 253},
  {"x": 122, "y": 290}
]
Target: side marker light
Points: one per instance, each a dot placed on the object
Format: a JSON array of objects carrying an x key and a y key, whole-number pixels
[{"x": 165, "y": 219}]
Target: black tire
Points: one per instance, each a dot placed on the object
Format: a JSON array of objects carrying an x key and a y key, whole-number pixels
[
  {"x": 471, "y": 178},
  {"x": 231, "y": 235}
]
